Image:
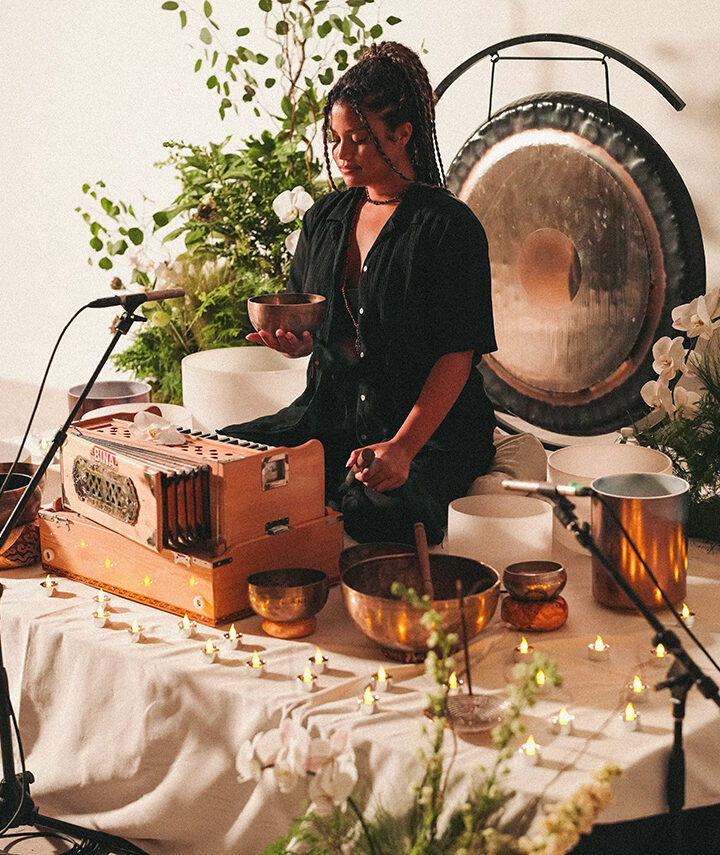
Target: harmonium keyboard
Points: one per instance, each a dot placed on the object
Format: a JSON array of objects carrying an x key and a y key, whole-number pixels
[{"x": 182, "y": 527}]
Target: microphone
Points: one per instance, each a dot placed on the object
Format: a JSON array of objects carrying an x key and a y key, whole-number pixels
[
  {"x": 130, "y": 302},
  {"x": 545, "y": 488}
]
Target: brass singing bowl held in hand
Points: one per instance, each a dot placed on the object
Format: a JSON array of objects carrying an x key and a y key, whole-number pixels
[
  {"x": 394, "y": 624},
  {"x": 534, "y": 580},
  {"x": 288, "y": 599},
  {"x": 293, "y": 313}
]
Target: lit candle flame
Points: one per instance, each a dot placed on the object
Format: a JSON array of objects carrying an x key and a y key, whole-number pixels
[
  {"x": 685, "y": 613},
  {"x": 382, "y": 675},
  {"x": 599, "y": 644},
  {"x": 318, "y": 656},
  {"x": 209, "y": 646},
  {"x": 101, "y": 611},
  {"x": 563, "y": 716},
  {"x": 660, "y": 651},
  {"x": 146, "y": 581},
  {"x": 540, "y": 678},
  {"x": 530, "y": 746},
  {"x": 308, "y": 675},
  {"x": 523, "y": 646},
  {"x": 48, "y": 581},
  {"x": 186, "y": 623},
  {"x": 191, "y": 581},
  {"x": 368, "y": 697},
  {"x": 82, "y": 544},
  {"x": 108, "y": 563},
  {"x": 452, "y": 681},
  {"x": 630, "y": 714},
  {"x": 256, "y": 660},
  {"x": 232, "y": 634},
  {"x": 101, "y": 595},
  {"x": 135, "y": 626},
  {"x": 637, "y": 684}
]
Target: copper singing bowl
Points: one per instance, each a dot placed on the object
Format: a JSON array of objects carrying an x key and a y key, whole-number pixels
[
  {"x": 14, "y": 489},
  {"x": 293, "y": 313},
  {"x": 395, "y": 624},
  {"x": 287, "y": 595},
  {"x": 534, "y": 580}
]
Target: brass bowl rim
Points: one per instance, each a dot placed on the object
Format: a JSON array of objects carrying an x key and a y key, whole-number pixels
[
  {"x": 264, "y": 578},
  {"x": 285, "y": 299}
]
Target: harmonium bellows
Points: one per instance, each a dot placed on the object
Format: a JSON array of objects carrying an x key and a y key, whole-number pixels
[{"x": 219, "y": 507}]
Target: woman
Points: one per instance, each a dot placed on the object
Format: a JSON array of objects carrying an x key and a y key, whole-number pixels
[{"x": 404, "y": 268}]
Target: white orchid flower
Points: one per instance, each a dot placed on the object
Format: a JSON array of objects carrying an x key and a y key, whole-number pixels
[
  {"x": 685, "y": 403},
  {"x": 291, "y": 241},
  {"x": 668, "y": 357},
  {"x": 657, "y": 394},
  {"x": 151, "y": 428},
  {"x": 695, "y": 318},
  {"x": 247, "y": 763},
  {"x": 141, "y": 260},
  {"x": 291, "y": 204},
  {"x": 333, "y": 784},
  {"x": 169, "y": 275}
]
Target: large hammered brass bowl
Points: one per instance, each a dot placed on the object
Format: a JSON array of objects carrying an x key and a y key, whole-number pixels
[
  {"x": 394, "y": 624},
  {"x": 293, "y": 313},
  {"x": 288, "y": 599}
]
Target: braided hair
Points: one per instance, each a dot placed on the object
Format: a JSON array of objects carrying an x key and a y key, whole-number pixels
[{"x": 389, "y": 79}]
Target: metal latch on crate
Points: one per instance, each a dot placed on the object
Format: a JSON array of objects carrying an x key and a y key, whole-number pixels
[{"x": 278, "y": 526}]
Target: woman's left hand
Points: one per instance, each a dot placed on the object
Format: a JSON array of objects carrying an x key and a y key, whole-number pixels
[{"x": 388, "y": 471}]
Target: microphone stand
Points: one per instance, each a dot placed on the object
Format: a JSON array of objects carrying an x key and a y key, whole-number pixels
[
  {"x": 16, "y": 806},
  {"x": 682, "y": 676}
]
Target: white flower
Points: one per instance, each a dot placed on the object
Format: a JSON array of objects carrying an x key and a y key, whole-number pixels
[
  {"x": 151, "y": 428},
  {"x": 247, "y": 763},
  {"x": 291, "y": 241},
  {"x": 685, "y": 402},
  {"x": 333, "y": 784},
  {"x": 657, "y": 395},
  {"x": 696, "y": 318},
  {"x": 169, "y": 275},
  {"x": 291, "y": 204},
  {"x": 141, "y": 260},
  {"x": 668, "y": 357},
  {"x": 299, "y": 847}
]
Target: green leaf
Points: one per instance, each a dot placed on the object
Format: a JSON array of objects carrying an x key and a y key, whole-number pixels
[
  {"x": 170, "y": 5},
  {"x": 321, "y": 4},
  {"x": 265, "y": 5},
  {"x": 183, "y": 19},
  {"x": 323, "y": 29},
  {"x": 135, "y": 235},
  {"x": 243, "y": 31},
  {"x": 160, "y": 218},
  {"x": 105, "y": 263},
  {"x": 279, "y": 61},
  {"x": 393, "y": 20},
  {"x": 260, "y": 58},
  {"x": 214, "y": 59},
  {"x": 96, "y": 244},
  {"x": 198, "y": 65},
  {"x": 269, "y": 82},
  {"x": 376, "y": 31},
  {"x": 207, "y": 9},
  {"x": 336, "y": 21},
  {"x": 117, "y": 247},
  {"x": 326, "y": 77},
  {"x": 85, "y": 188},
  {"x": 282, "y": 28},
  {"x": 205, "y": 36}
]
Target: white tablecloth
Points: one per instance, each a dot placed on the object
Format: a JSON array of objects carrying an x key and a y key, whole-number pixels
[{"x": 140, "y": 740}]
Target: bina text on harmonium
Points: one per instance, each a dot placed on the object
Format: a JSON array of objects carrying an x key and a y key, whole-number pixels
[{"x": 182, "y": 527}]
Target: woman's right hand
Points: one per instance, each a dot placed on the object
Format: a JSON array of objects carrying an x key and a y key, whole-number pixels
[{"x": 284, "y": 342}]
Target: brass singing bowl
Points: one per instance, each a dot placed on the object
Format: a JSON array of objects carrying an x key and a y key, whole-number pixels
[
  {"x": 534, "y": 580},
  {"x": 293, "y": 313},
  {"x": 14, "y": 489},
  {"x": 288, "y": 599},
  {"x": 352, "y": 554},
  {"x": 394, "y": 624}
]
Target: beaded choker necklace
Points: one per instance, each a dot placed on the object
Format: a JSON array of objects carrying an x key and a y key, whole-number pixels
[{"x": 391, "y": 201}]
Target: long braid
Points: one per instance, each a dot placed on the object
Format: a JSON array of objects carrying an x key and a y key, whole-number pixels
[{"x": 389, "y": 79}]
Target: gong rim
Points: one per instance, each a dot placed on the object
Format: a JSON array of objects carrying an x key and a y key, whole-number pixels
[{"x": 665, "y": 246}]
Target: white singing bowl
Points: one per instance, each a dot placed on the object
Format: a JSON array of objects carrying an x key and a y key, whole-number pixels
[
  {"x": 235, "y": 384},
  {"x": 582, "y": 464},
  {"x": 499, "y": 530}
]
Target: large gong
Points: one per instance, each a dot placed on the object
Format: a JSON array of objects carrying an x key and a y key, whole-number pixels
[{"x": 593, "y": 240}]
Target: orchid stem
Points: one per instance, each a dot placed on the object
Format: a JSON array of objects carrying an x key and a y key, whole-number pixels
[{"x": 366, "y": 830}]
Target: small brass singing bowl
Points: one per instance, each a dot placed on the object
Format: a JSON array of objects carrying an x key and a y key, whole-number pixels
[
  {"x": 288, "y": 599},
  {"x": 293, "y": 313},
  {"x": 395, "y": 624},
  {"x": 534, "y": 580}
]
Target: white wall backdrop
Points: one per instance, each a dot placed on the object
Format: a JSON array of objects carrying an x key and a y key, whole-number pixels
[{"x": 91, "y": 90}]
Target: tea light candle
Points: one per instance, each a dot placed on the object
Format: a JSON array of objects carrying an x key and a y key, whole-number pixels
[
  {"x": 381, "y": 680},
  {"x": 367, "y": 702},
  {"x": 209, "y": 652},
  {"x": 454, "y": 685},
  {"x": 256, "y": 665},
  {"x": 686, "y": 616},
  {"x": 135, "y": 632},
  {"x": 659, "y": 655},
  {"x": 318, "y": 662},
  {"x": 233, "y": 638},
  {"x": 562, "y": 723},
  {"x": 636, "y": 691},
  {"x": 99, "y": 616},
  {"x": 186, "y": 627},
  {"x": 598, "y": 651},
  {"x": 524, "y": 651},
  {"x": 630, "y": 718},
  {"x": 540, "y": 679},
  {"x": 306, "y": 680},
  {"x": 101, "y": 598},
  {"x": 49, "y": 586},
  {"x": 529, "y": 752}
]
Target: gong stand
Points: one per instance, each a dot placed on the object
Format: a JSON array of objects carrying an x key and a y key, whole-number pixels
[
  {"x": 16, "y": 806},
  {"x": 682, "y": 676}
]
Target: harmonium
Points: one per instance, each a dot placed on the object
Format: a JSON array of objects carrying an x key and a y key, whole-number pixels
[{"x": 182, "y": 527}]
